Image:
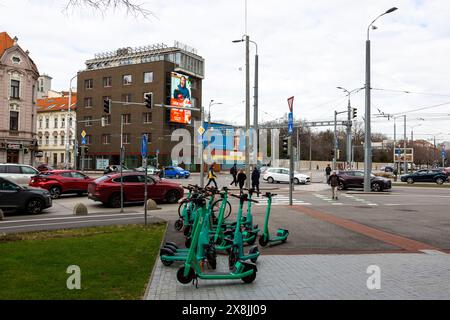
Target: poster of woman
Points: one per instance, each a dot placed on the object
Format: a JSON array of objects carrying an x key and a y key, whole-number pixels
[{"x": 181, "y": 91}]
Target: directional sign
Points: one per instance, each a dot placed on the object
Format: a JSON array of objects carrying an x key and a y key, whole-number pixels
[
  {"x": 83, "y": 133},
  {"x": 291, "y": 123},
  {"x": 144, "y": 145},
  {"x": 83, "y": 140}
]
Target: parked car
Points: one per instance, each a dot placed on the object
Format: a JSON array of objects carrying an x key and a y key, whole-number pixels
[
  {"x": 436, "y": 176},
  {"x": 59, "y": 182},
  {"x": 176, "y": 172},
  {"x": 387, "y": 169},
  {"x": 150, "y": 170},
  {"x": 16, "y": 198},
  {"x": 277, "y": 175},
  {"x": 355, "y": 179},
  {"x": 115, "y": 168},
  {"x": 18, "y": 173},
  {"x": 106, "y": 189},
  {"x": 44, "y": 167}
]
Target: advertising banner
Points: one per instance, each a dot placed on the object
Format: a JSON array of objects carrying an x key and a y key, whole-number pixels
[
  {"x": 180, "y": 116},
  {"x": 181, "y": 91}
]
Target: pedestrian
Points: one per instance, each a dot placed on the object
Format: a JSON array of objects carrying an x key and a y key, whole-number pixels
[
  {"x": 161, "y": 173},
  {"x": 234, "y": 172},
  {"x": 211, "y": 176},
  {"x": 241, "y": 179},
  {"x": 333, "y": 181},
  {"x": 256, "y": 174},
  {"x": 328, "y": 172}
]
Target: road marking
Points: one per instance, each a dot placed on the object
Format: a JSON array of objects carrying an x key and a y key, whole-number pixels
[
  {"x": 61, "y": 223},
  {"x": 66, "y": 218}
]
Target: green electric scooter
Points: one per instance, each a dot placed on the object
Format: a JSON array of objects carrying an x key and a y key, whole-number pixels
[
  {"x": 193, "y": 268},
  {"x": 265, "y": 238}
]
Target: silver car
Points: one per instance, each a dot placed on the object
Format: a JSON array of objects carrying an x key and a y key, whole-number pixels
[{"x": 18, "y": 173}]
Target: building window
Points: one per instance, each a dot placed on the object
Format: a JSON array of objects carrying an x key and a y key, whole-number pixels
[
  {"x": 127, "y": 79},
  {"x": 55, "y": 140},
  {"x": 40, "y": 140},
  {"x": 55, "y": 122},
  {"x": 88, "y": 84},
  {"x": 126, "y": 118},
  {"x": 148, "y": 77},
  {"x": 88, "y": 121},
  {"x": 14, "y": 120},
  {"x": 63, "y": 122},
  {"x": 70, "y": 122},
  {"x": 88, "y": 102},
  {"x": 47, "y": 122},
  {"x": 107, "y": 82},
  {"x": 126, "y": 138},
  {"x": 88, "y": 139},
  {"x": 40, "y": 123},
  {"x": 62, "y": 140},
  {"x": 15, "y": 85},
  {"x": 62, "y": 157},
  {"x": 47, "y": 140},
  {"x": 106, "y": 139},
  {"x": 126, "y": 97},
  {"x": 147, "y": 117}
]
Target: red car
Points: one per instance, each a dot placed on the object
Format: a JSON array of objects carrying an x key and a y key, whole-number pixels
[
  {"x": 106, "y": 189},
  {"x": 59, "y": 182}
]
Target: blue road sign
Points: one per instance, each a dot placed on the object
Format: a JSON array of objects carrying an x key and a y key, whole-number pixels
[
  {"x": 144, "y": 145},
  {"x": 83, "y": 140},
  {"x": 291, "y": 123},
  {"x": 398, "y": 151},
  {"x": 443, "y": 153}
]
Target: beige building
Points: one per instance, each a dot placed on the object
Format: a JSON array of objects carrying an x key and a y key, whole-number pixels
[
  {"x": 53, "y": 121},
  {"x": 18, "y": 91}
]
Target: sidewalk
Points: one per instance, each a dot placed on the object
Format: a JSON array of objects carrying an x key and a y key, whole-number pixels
[{"x": 314, "y": 277}]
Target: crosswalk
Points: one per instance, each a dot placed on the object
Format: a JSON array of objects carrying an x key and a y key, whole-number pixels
[
  {"x": 318, "y": 199},
  {"x": 281, "y": 200}
]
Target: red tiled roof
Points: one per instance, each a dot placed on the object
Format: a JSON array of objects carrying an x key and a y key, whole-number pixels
[
  {"x": 5, "y": 42},
  {"x": 56, "y": 104}
]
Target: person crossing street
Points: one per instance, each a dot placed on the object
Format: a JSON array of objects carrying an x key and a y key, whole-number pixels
[
  {"x": 234, "y": 173},
  {"x": 256, "y": 174},
  {"x": 211, "y": 177},
  {"x": 333, "y": 181}
]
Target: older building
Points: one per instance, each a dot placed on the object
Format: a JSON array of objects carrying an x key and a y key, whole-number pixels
[
  {"x": 173, "y": 75},
  {"x": 18, "y": 86},
  {"x": 53, "y": 123}
]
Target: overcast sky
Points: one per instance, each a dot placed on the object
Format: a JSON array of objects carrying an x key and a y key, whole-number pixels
[{"x": 306, "y": 49}]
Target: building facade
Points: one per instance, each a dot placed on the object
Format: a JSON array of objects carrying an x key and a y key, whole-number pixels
[
  {"x": 44, "y": 86},
  {"x": 54, "y": 121},
  {"x": 125, "y": 76},
  {"x": 18, "y": 89}
]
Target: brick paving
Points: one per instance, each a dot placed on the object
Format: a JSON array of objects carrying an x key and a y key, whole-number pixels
[{"x": 313, "y": 277}]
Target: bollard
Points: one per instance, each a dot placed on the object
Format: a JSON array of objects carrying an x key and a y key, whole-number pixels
[
  {"x": 80, "y": 210},
  {"x": 151, "y": 205}
]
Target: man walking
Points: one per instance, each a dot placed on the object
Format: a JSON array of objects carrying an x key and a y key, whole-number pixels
[
  {"x": 241, "y": 179},
  {"x": 328, "y": 172},
  {"x": 333, "y": 181},
  {"x": 211, "y": 176},
  {"x": 255, "y": 179},
  {"x": 234, "y": 172}
]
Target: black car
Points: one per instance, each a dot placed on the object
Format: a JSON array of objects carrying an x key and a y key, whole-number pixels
[
  {"x": 16, "y": 198},
  {"x": 355, "y": 179},
  {"x": 436, "y": 176}
]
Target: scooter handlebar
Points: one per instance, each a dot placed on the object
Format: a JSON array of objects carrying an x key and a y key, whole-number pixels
[
  {"x": 244, "y": 197},
  {"x": 269, "y": 195}
]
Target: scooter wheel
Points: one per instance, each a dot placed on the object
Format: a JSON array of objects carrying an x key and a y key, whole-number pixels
[
  {"x": 250, "y": 278},
  {"x": 253, "y": 251},
  {"x": 169, "y": 246},
  {"x": 178, "y": 225},
  {"x": 211, "y": 256},
  {"x": 187, "y": 230},
  {"x": 185, "y": 280},
  {"x": 187, "y": 243},
  {"x": 166, "y": 262},
  {"x": 263, "y": 241}
]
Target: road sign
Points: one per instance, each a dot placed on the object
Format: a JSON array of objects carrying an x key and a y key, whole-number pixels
[
  {"x": 201, "y": 130},
  {"x": 83, "y": 140},
  {"x": 83, "y": 133},
  {"x": 291, "y": 104},
  {"x": 443, "y": 153},
  {"x": 398, "y": 151},
  {"x": 291, "y": 123},
  {"x": 144, "y": 145}
]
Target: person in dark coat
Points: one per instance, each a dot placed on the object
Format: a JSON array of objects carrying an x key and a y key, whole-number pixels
[
  {"x": 241, "y": 177},
  {"x": 256, "y": 174},
  {"x": 333, "y": 181},
  {"x": 328, "y": 172},
  {"x": 234, "y": 172}
]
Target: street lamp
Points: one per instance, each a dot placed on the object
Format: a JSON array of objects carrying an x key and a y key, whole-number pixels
[
  {"x": 367, "y": 138},
  {"x": 212, "y": 103},
  {"x": 68, "y": 125}
]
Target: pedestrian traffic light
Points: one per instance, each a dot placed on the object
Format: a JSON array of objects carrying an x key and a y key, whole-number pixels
[
  {"x": 355, "y": 113},
  {"x": 148, "y": 97},
  {"x": 285, "y": 147},
  {"x": 107, "y": 106}
]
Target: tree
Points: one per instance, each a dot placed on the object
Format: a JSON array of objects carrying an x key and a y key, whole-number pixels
[{"x": 130, "y": 6}]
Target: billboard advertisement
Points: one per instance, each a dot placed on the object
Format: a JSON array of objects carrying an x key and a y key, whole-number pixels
[
  {"x": 180, "y": 91},
  {"x": 180, "y": 116}
]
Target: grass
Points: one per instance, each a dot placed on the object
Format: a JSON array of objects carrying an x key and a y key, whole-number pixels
[{"x": 115, "y": 262}]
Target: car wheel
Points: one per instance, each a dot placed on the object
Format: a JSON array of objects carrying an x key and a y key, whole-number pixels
[
  {"x": 34, "y": 206},
  {"x": 296, "y": 181},
  {"x": 341, "y": 185},
  {"x": 410, "y": 180},
  {"x": 172, "y": 196},
  {"x": 177, "y": 176},
  {"x": 376, "y": 187},
  {"x": 114, "y": 200},
  {"x": 55, "y": 192},
  {"x": 440, "y": 181},
  {"x": 270, "y": 180}
]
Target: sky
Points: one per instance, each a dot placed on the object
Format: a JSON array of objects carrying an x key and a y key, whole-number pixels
[{"x": 306, "y": 49}]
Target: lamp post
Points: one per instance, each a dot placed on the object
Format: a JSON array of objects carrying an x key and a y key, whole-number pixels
[
  {"x": 211, "y": 103},
  {"x": 367, "y": 119},
  {"x": 66, "y": 158}
]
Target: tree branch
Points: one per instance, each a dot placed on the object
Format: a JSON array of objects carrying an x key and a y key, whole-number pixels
[{"x": 132, "y": 8}]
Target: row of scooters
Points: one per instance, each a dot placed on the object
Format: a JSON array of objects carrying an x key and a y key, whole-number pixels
[{"x": 203, "y": 220}]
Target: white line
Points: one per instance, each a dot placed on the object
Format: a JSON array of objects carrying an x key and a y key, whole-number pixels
[
  {"x": 62, "y": 218},
  {"x": 61, "y": 223}
]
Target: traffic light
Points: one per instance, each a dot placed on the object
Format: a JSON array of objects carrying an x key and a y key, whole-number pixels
[
  {"x": 107, "y": 106},
  {"x": 285, "y": 147},
  {"x": 148, "y": 97},
  {"x": 332, "y": 153},
  {"x": 86, "y": 149},
  {"x": 355, "y": 113}
]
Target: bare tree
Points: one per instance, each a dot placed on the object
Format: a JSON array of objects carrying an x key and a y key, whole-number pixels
[{"x": 131, "y": 7}]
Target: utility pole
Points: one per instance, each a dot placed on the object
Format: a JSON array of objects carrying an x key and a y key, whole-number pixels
[
  {"x": 291, "y": 171},
  {"x": 405, "y": 145},
  {"x": 335, "y": 140},
  {"x": 255, "y": 111},
  {"x": 202, "y": 175},
  {"x": 247, "y": 110},
  {"x": 349, "y": 134}
]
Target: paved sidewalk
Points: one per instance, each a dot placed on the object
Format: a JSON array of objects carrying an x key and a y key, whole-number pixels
[{"x": 313, "y": 277}]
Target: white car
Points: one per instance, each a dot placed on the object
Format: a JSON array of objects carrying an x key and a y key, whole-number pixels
[
  {"x": 277, "y": 175},
  {"x": 18, "y": 173}
]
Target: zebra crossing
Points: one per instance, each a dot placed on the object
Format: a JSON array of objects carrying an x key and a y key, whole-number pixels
[
  {"x": 321, "y": 199},
  {"x": 281, "y": 200}
]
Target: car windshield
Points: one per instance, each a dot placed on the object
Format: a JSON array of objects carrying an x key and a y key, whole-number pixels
[{"x": 178, "y": 168}]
